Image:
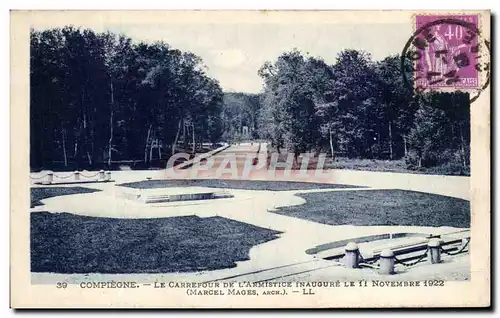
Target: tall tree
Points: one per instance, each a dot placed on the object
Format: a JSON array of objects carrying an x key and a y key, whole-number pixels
[{"x": 97, "y": 97}]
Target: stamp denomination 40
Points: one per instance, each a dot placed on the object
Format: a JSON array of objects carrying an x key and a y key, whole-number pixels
[{"x": 446, "y": 53}]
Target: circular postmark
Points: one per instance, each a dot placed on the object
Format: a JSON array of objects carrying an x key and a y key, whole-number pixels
[{"x": 446, "y": 55}]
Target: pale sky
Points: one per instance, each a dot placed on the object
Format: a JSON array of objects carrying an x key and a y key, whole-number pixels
[{"x": 233, "y": 53}]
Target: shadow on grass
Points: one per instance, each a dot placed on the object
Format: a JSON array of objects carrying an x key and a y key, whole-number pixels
[
  {"x": 381, "y": 207},
  {"x": 68, "y": 243},
  {"x": 235, "y": 184},
  {"x": 38, "y": 194}
]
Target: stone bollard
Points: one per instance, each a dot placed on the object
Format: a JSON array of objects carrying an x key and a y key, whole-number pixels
[
  {"x": 50, "y": 177},
  {"x": 464, "y": 242},
  {"x": 386, "y": 262},
  {"x": 351, "y": 257},
  {"x": 108, "y": 176},
  {"x": 434, "y": 251},
  {"x": 77, "y": 175},
  {"x": 101, "y": 174}
]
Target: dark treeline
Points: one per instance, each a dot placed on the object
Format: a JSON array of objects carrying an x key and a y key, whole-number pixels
[
  {"x": 97, "y": 98},
  {"x": 360, "y": 108}
]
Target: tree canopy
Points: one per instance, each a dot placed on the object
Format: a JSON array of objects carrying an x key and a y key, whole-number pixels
[
  {"x": 98, "y": 97},
  {"x": 360, "y": 108}
]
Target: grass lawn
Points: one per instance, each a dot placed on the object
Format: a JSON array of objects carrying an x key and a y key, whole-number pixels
[
  {"x": 369, "y": 165},
  {"x": 38, "y": 194},
  {"x": 397, "y": 165},
  {"x": 381, "y": 207},
  {"x": 392, "y": 166},
  {"x": 68, "y": 243},
  {"x": 234, "y": 184}
]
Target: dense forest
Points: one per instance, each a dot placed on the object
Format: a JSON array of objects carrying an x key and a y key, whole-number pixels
[
  {"x": 360, "y": 108},
  {"x": 99, "y": 98}
]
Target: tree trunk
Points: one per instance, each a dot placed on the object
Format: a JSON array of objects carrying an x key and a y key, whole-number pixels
[
  {"x": 153, "y": 140},
  {"x": 390, "y": 141},
  {"x": 85, "y": 141},
  {"x": 159, "y": 149},
  {"x": 146, "y": 145},
  {"x": 110, "y": 141},
  {"x": 63, "y": 135},
  {"x": 331, "y": 146},
  {"x": 89, "y": 157},
  {"x": 194, "y": 142},
  {"x": 404, "y": 143},
  {"x": 176, "y": 136},
  {"x": 184, "y": 139},
  {"x": 77, "y": 142},
  {"x": 462, "y": 148},
  {"x": 76, "y": 148},
  {"x": 92, "y": 148},
  {"x": 379, "y": 143}
]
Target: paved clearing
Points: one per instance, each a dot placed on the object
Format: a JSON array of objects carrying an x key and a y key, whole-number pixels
[{"x": 251, "y": 207}]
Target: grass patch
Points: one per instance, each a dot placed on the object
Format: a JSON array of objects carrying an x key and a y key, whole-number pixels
[
  {"x": 381, "y": 207},
  {"x": 399, "y": 166},
  {"x": 234, "y": 184},
  {"x": 380, "y": 165},
  {"x": 369, "y": 165},
  {"x": 38, "y": 194},
  {"x": 68, "y": 243}
]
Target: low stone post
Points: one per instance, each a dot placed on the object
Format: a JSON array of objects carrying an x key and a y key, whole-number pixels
[
  {"x": 77, "y": 175},
  {"x": 50, "y": 177},
  {"x": 464, "y": 242},
  {"x": 386, "y": 262},
  {"x": 434, "y": 251},
  {"x": 351, "y": 258},
  {"x": 108, "y": 176},
  {"x": 101, "y": 174}
]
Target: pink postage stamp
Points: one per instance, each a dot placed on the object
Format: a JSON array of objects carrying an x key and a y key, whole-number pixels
[{"x": 446, "y": 53}]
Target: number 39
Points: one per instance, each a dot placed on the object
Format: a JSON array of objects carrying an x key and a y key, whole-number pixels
[{"x": 62, "y": 285}]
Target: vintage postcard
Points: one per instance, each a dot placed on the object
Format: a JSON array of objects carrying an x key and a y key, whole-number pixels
[{"x": 250, "y": 159}]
